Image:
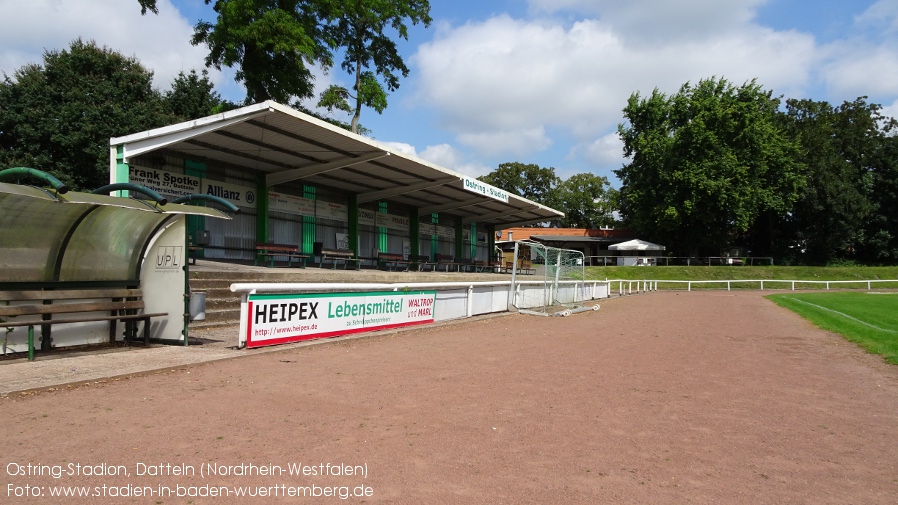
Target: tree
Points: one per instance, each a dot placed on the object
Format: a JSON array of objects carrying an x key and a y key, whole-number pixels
[
  {"x": 59, "y": 117},
  {"x": 827, "y": 221},
  {"x": 270, "y": 43},
  {"x": 193, "y": 96},
  {"x": 881, "y": 244},
  {"x": 587, "y": 201},
  {"x": 358, "y": 28},
  {"x": 705, "y": 164},
  {"x": 526, "y": 180}
]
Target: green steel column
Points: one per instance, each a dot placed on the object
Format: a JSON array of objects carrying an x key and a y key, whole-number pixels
[
  {"x": 414, "y": 223},
  {"x": 382, "y": 243},
  {"x": 309, "y": 226},
  {"x": 473, "y": 240},
  {"x": 354, "y": 224},
  {"x": 261, "y": 209},
  {"x": 122, "y": 170},
  {"x": 195, "y": 223},
  {"x": 459, "y": 238},
  {"x": 491, "y": 242},
  {"x": 434, "y": 241}
]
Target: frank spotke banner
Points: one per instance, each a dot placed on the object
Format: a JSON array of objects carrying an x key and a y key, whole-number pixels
[{"x": 278, "y": 318}]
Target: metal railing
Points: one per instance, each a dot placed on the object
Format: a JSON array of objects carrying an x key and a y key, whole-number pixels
[
  {"x": 637, "y": 286},
  {"x": 683, "y": 260}
]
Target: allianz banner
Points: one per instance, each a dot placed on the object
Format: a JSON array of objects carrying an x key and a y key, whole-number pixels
[{"x": 174, "y": 185}]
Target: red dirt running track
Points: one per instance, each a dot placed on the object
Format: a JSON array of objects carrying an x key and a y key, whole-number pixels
[{"x": 709, "y": 397}]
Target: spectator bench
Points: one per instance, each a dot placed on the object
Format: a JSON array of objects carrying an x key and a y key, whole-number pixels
[
  {"x": 392, "y": 261},
  {"x": 270, "y": 251},
  {"x": 345, "y": 255},
  {"x": 82, "y": 305},
  {"x": 420, "y": 262}
]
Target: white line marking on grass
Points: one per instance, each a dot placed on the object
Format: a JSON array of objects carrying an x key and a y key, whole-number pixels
[{"x": 842, "y": 314}]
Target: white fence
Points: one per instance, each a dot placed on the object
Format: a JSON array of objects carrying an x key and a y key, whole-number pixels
[
  {"x": 453, "y": 300},
  {"x": 637, "y": 286}
]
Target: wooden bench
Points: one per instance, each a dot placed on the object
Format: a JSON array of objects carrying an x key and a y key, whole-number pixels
[
  {"x": 193, "y": 252},
  {"x": 525, "y": 268},
  {"x": 345, "y": 255},
  {"x": 446, "y": 261},
  {"x": 481, "y": 266},
  {"x": 392, "y": 261},
  {"x": 270, "y": 251},
  {"x": 420, "y": 262},
  {"x": 84, "y": 305}
]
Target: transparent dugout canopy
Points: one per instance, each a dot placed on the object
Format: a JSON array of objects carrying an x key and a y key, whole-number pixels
[{"x": 49, "y": 236}]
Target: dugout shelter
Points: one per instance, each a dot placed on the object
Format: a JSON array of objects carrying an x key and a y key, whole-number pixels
[
  {"x": 299, "y": 180},
  {"x": 60, "y": 247}
]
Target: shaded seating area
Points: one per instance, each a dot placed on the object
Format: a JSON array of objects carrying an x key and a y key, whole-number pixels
[{"x": 77, "y": 265}]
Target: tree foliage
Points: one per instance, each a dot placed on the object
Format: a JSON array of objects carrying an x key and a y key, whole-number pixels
[
  {"x": 587, "y": 200},
  {"x": 845, "y": 211},
  {"x": 273, "y": 43},
  {"x": 193, "y": 96},
  {"x": 359, "y": 29},
  {"x": 705, "y": 164},
  {"x": 526, "y": 180},
  {"x": 58, "y": 117},
  {"x": 270, "y": 43}
]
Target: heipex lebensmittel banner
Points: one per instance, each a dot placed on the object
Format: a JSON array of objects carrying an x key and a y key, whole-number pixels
[{"x": 279, "y": 318}]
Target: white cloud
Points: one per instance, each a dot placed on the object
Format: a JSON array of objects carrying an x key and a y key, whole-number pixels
[
  {"x": 401, "y": 147},
  {"x": 866, "y": 64},
  {"x": 890, "y": 110},
  {"x": 160, "y": 42},
  {"x": 514, "y": 141},
  {"x": 446, "y": 156},
  {"x": 649, "y": 21},
  {"x": 607, "y": 150},
  {"x": 860, "y": 69},
  {"x": 881, "y": 13},
  {"x": 501, "y": 83}
]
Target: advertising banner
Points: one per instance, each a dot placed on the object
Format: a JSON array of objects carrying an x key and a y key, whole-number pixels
[
  {"x": 279, "y": 318},
  {"x": 289, "y": 204},
  {"x": 174, "y": 185}
]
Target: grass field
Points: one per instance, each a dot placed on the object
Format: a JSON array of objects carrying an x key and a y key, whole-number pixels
[{"x": 869, "y": 319}]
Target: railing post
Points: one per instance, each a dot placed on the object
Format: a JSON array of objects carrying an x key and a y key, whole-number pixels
[
  {"x": 30, "y": 343},
  {"x": 470, "y": 301}
]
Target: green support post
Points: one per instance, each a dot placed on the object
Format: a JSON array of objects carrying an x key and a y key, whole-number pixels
[
  {"x": 414, "y": 223},
  {"x": 261, "y": 209},
  {"x": 122, "y": 170},
  {"x": 31, "y": 343},
  {"x": 309, "y": 226},
  {"x": 459, "y": 239},
  {"x": 354, "y": 224}
]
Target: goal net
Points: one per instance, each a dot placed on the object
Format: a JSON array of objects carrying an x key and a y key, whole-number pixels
[{"x": 547, "y": 280}]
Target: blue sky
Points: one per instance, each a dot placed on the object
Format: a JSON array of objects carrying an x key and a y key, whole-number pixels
[{"x": 535, "y": 81}]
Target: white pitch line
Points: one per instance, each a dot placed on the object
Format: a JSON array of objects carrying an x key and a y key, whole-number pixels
[{"x": 842, "y": 314}]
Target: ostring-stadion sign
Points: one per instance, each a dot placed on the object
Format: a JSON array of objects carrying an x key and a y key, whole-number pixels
[{"x": 279, "y": 318}]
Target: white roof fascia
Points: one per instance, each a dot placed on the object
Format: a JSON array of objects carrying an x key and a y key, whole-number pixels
[{"x": 139, "y": 143}]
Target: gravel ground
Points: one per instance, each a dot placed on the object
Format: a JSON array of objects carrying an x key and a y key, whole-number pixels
[{"x": 702, "y": 397}]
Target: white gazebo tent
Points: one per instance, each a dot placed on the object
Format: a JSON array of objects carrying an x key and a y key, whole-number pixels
[{"x": 636, "y": 252}]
